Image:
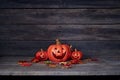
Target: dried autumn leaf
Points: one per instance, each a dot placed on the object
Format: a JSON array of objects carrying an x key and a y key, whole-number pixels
[
  {"x": 47, "y": 62},
  {"x": 81, "y": 62},
  {"x": 24, "y": 63},
  {"x": 87, "y": 60},
  {"x": 74, "y": 61},
  {"x": 65, "y": 65},
  {"x": 52, "y": 65},
  {"x": 35, "y": 60}
]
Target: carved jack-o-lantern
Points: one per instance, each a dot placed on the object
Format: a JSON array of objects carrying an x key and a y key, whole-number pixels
[
  {"x": 59, "y": 52},
  {"x": 76, "y": 54},
  {"x": 41, "y": 55}
]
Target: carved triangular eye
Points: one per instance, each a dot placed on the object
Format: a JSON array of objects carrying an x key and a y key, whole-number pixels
[
  {"x": 62, "y": 48},
  {"x": 55, "y": 48},
  {"x": 58, "y": 51}
]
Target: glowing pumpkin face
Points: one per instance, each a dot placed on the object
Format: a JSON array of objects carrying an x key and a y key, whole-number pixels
[
  {"x": 59, "y": 52},
  {"x": 41, "y": 55},
  {"x": 76, "y": 54}
]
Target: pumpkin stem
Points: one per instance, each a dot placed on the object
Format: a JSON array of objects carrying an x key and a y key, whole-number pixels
[
  {"x": 57, "y": 41},
  {"x": 70, "y": 46},
  {"x": 75, "y": 49},
  {"x": 41, "y": 50}
]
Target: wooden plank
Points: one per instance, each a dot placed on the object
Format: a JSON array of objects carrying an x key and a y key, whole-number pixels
[
  {"x": 64, "y": 32},
  {"x": 9, "y": 66},
  {"x": 89, "y": 48},
  {"x": 59, "y": 4},
  {"x": 60, "y": 16}
]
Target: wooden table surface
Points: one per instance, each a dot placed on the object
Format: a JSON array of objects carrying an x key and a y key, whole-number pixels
[{"x": 10, "y": 66}]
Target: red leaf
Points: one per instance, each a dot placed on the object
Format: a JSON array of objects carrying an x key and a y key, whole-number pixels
[
  {"x": 25, "y": 63},
  {"x": 66, "y": 64},
  {"x": 74, "y": 61},
  {"x": 52, "y": 65},
  {"x": 35, "y": 60}
]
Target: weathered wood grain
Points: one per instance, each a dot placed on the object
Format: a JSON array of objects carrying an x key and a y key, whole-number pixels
[
  {"x": 9, "y": 66},
  {"x": 59, "y": 4},
  {"x": 60, "y": 16},
  {"x": 89, "y": 48},
  {"x": 92, "y": 26},
  {"x": 64, "y": 32}
]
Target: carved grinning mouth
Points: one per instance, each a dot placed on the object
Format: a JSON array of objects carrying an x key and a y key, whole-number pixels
[
  {"x": 76, "y": 57},
  {"x": 59, "y": 57}
]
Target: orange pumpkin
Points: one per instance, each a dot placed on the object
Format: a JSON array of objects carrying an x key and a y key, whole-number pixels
[
  {"x": 77, "y": 54},
  {"x": 59, "y": 52},
  {"x": 41, "y": 55}
]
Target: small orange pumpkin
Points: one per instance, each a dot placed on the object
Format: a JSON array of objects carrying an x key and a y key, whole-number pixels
[
  {"x": 41, "y": 55},
  {"x": 59, "y": 52},
  {"x": 77, "y": 54}
]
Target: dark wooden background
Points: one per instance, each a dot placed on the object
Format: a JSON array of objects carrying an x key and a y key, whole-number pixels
[{"x": 92, "y": 26}]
